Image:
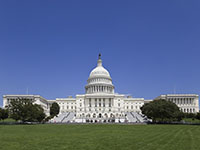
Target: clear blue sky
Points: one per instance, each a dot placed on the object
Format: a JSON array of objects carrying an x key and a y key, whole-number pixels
[{"x": 50, "y": 47}]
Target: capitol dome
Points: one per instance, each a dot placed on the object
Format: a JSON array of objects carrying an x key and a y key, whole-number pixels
[
  {"x": 99, "y": 71},
  {"x": 99, "y": 80}
]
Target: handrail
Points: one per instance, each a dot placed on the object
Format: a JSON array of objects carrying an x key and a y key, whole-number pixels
[{"x": 65, "y": 117}]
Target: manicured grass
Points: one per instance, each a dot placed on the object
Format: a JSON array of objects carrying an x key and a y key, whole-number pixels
[
  {"x": 191, "y": 120},
  {"x": 99, "y": 137},
  {"x": 8, "y": 120}
]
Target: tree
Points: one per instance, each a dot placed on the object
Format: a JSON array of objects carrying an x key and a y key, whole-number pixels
[
  {"x": 48, "y": 118},
  {"x": 54, "y": 109},
  {"x": 198, "y": 116},
  {"x": 37, "y": 114},
  {"x": 179, "y": 115},
  {"x": 25, "y": 111},
  {"x": 189, "y": 115},
  {"x": 162, "y": 110},
  {"x": 3, "y": 114}
]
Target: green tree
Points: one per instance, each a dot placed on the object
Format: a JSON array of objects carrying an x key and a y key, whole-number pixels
[
  {"x": 54, "y": 109},
  {"x": 25, "y": 111},
  {"x": 189, "y": 115},
  {"x": 179, "y": 115},
  {"x": 39, "y": 113},
  {"x": 198, "y": 116},
  {"x": 162, "y": 110},
  {"x": 3, "y": 114}
]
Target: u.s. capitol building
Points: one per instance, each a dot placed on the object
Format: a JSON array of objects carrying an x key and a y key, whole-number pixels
[{"x": 101, "y": 104}]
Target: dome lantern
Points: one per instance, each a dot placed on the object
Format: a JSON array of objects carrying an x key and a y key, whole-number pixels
[{"x": 99, "y": 63}]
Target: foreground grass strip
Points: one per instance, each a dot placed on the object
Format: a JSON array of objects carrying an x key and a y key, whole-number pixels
[{"x": 99, "y": 137}]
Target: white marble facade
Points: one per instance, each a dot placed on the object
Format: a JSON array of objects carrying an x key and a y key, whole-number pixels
[
  {"x": 188, "y": 103},
  {"x": 100, "y": 102}
]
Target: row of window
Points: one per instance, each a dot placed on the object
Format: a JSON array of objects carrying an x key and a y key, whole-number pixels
[
  {"x": 99, "y": 109},
  {"x": 65, "y": 103},
  {"x": 99, "y": 101},
  {"x": 180, "y": 98},
  {"x": 188, "y": 110},
  {"x": 181, "y": 101},
  {"x": 132, "y": 107},
  {"x": 133, "y": 103},
  {"x": 67, "y": 107}
]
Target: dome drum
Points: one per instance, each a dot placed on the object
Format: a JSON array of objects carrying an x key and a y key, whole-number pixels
[
  {"x": 99, "y": 89},
  {"x": 99, "y": 80}
]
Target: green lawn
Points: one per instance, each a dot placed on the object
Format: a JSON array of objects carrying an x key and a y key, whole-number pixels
[
  {"x": 99, "y": 137},
  {"x": 7, "y": 120},
  {"x": 191, "y": 120}
]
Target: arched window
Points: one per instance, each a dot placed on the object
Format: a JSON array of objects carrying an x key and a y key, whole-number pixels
[
  {"x": 94, "y": 115},
  {"x": 100, "y": 115}
]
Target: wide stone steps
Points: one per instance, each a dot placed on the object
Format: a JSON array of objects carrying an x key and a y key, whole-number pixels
[{"x": 63, "y": 118}]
